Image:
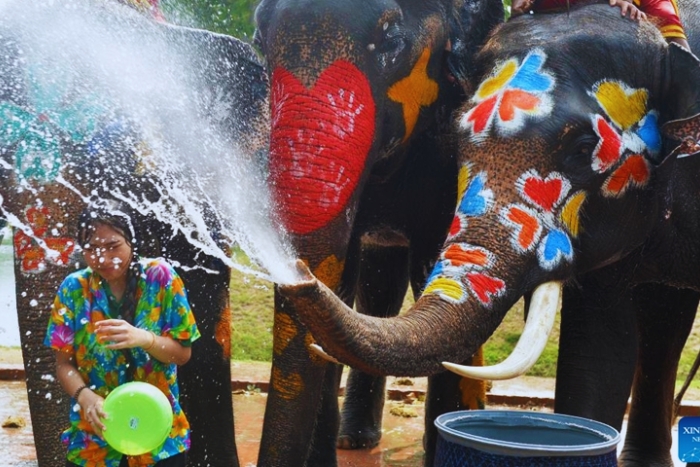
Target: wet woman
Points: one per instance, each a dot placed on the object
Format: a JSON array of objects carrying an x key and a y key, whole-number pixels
[{"x": 120, "y": 319}]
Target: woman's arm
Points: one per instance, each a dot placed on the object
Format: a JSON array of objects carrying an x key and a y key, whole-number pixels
[{"x": 119, "y": 334}]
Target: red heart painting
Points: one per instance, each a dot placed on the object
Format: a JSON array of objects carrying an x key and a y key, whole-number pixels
[
  {"x": 480, "y": 116},
  {"x": 485, "y": 287},
  {"x": 458, "y": 224},
  {"x": 634, "y": 170},
  {"x": 609, "y": 149},
  {"x": 543, "y": 192},
  {"x": 319, "y": 143}
]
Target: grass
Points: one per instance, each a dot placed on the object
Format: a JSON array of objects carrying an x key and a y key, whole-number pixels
[{"x": 252, "y": 310}]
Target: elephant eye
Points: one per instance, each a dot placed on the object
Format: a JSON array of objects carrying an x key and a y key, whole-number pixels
[
  {"x": 584, "y": 146},
  {"x": 391, "y": 46},
  {"x": 578, "y": 151}
]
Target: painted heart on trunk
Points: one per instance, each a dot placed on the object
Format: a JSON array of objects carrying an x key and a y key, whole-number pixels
[
  {"x": 319, "y": 143},
  {"x": 485, "y": 287},
  {"x": 543, "y": 192}
]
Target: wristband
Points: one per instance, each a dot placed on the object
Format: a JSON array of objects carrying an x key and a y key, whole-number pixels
[
  {"x": 78, "y": 391},
  {"x": 153, "y": 341}
]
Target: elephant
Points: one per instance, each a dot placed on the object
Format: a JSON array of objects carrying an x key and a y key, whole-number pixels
[
  {"x": 363, "y": 173},
  {"x": 60, "y": 148},
  {"x": 578, "y": 156}
]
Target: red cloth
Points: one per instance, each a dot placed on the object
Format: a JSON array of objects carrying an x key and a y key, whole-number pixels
[{"x": 666, "y": 11}]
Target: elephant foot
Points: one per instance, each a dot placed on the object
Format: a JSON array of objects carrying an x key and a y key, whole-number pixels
[
  {"x": 358, "y": 439},
  {"x": 644, "y": 459}
]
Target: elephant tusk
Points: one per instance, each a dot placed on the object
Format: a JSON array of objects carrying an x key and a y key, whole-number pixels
[
  {"x": 543, "y": 310},
  {"x": 318, "y": 350}
]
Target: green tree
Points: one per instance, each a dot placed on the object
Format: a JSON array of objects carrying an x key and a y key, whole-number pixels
[{"x": 232, "y": 17}]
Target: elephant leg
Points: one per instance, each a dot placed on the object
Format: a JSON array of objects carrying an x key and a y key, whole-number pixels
[
  {"x": 295, "y": 398},
  {"x": 448, "y": 392},
  {"x": 664, "y": 321},
  {"x": 381, "y": 288},
  {"x": 205, "y": 381},
  {"x": 322, "y": 451},
  {"x": 597, "y": 348}
]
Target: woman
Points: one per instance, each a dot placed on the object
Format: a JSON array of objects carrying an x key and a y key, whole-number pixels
[{"x": 120, "y": 319}]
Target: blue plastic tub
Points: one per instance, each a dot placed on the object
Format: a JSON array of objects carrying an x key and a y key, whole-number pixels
[{"x": 505, "y": 438}]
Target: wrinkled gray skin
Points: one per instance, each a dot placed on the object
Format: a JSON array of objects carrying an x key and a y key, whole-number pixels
[{"x": 634, "y": 273}]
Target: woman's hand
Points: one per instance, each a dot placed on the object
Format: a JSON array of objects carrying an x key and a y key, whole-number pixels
[
  {"x": 119, "y": 334},
  {"x": 91, "y": 404},
  {"x": 628, "y": 8},
  {"x": 519, "y": 7}
]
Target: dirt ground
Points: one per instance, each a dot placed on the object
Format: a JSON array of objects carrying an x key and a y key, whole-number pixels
[{"x": 10, "y": 355}]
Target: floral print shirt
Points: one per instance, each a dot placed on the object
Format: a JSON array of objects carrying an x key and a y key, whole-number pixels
[{"x": 162, "y": 307}]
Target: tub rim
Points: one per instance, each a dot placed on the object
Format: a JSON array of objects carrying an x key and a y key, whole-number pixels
[{"x": 610, "y": 437}]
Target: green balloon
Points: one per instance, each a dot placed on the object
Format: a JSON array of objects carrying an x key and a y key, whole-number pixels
[{"x": 139, "y": 418}]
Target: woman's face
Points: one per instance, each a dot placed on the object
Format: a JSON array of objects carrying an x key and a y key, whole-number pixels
[{"x": 108, "y": 253}]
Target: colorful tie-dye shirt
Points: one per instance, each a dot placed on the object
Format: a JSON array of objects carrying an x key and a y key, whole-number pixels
[{"x": 162, "y": 307}]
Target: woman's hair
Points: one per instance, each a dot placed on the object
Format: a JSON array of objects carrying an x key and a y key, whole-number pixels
[
  {"x": 119, "y": 216},
  {"x": 109, "y": 212}
]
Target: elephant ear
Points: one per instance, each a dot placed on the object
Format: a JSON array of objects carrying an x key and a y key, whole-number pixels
[
  {"x": 470, "y": 25},
  {"x": 681, "y": 98},
  {"x": 234, "y": 87}
]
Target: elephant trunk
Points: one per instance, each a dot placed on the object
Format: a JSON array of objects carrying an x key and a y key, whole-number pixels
[{"x": 373, "y": 344}]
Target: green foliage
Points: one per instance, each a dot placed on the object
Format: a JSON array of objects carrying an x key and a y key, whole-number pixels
[
  {"x": 232, "y": 17},
  {"x": 506, "y": 7}
]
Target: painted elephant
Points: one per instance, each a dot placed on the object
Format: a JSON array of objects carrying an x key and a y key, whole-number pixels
[
  {"x": 60, "y": 146},
  {"x": 363, "y": 173},
  {"x": 578, "y": 153}
]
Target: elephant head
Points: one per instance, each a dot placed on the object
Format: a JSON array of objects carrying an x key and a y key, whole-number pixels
[
  {"x": 353, "y": 85},
  {"x": 563, "y": 169},
  {"x": 360, "y": 160}
]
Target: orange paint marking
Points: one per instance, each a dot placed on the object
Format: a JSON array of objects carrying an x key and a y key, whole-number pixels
[
  {"x": 515, "y": 99},
  {"x": 284, "y": 331},
  {"x": 460, "y": 257},
  {"x": 329, "y": 271},
  {"x": 222, "y": 332},
  {"x": 530, "y": 226},
  {"x": 288, "y": 387},
  {"x": 415, "y": 91},
  {"x": 473, "y": 392}
]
